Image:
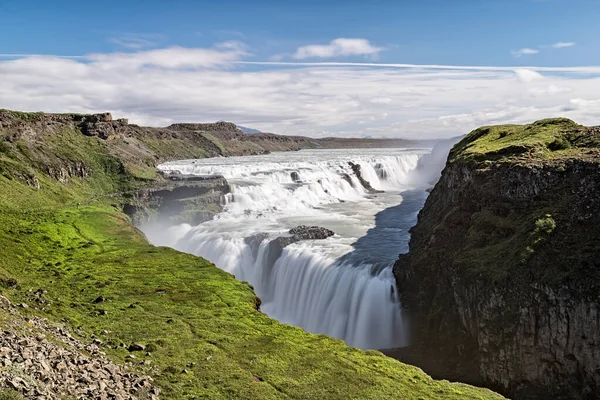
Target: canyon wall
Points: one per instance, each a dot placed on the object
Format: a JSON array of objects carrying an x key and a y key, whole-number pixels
[
  {"x": 178, "y": 199},
  {"x": 502, "y": 278}
]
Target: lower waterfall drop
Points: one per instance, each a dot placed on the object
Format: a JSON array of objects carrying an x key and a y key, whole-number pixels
[{"x": 341, "y": 286}]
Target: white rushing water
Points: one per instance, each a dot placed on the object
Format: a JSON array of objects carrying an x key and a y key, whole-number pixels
[{"x": 341, "y": 286}]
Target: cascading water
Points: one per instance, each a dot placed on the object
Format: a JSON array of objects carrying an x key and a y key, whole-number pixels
[{"x": 341, "y": 286}]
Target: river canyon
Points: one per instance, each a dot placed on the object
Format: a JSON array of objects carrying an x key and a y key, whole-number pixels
[{"x": 341, "y": 286}]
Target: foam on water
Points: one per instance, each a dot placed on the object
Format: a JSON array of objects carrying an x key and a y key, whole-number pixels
[{"x": 342, "y": 286}]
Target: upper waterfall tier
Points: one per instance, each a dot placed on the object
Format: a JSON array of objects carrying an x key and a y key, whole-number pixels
[{"x": 341, "y": 286}]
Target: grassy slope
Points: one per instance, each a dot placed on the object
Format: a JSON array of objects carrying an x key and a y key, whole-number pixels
[
  {"x": 548, "y": 139},
  {"x": 191, "y": 315}
]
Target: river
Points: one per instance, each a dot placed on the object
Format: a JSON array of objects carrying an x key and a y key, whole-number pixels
[{"x": 341, "y": 286}]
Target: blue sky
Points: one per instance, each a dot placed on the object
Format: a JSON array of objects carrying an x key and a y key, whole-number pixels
[
  {"x": 464, "y": 32},
  {"x": 213, "y": 39}
]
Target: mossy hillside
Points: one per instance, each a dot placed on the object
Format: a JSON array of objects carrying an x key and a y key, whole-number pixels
[
  {"x": 543, "y": 140},
  {"x": 82, "y": 163},
  {"x": 190, "y": 315},
  {"x": 203, "y": 331}
]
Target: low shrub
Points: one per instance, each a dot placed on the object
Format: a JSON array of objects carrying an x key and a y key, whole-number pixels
[{"x": 559, "y": 144}]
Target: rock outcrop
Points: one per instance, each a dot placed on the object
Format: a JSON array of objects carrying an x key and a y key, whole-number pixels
[
  {"x": 177, "y": 199},
  {"x": 102, "y": 126},
  {"x": 276, "y": 246},
  {"x": 303, "y": 232},
  {"x": 502, "y": 278},
  {"x": 366, "y": 184}
]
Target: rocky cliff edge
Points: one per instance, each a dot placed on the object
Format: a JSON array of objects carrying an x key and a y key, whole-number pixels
[{"x": 502, "y": 279}]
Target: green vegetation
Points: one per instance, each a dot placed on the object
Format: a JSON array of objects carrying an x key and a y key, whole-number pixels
[
  {"x": 214, "y": 141},
  {"x": 9, "y": 394},
  {"x": 203, "y": 331},
  {"x": 513, "y": 237},
  {"x": 545, "y": 139},
  {"x": 559, "y": 144},
  {"x": 23, "y": 116},
  {"x": 518, "y": 224},
  {"x": 172, "y": 148},
  {"x": 545, "y": 225}
]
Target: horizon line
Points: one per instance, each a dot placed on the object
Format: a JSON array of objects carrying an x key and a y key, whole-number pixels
[
  {"x": 594, "y": 69},
  {"x": 581, "y": 69}
]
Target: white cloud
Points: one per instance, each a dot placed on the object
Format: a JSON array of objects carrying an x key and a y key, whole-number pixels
[
  {"x": 22, "y": 55},
  {"x": 560, "y": 45},
  {"x": 172, "y": 57},
  {"x": 158, "y": 87},
  {"x": 381, "y": 100},
  {"x": 527, "y": 75},
  {"x": 549, "y": 90},
  {"x": 338, "y": 47},
  {"x": 524, "y": 52}
]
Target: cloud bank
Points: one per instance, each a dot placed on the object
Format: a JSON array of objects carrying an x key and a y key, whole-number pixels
[
  {"x": 336, "y": 48},
  {"x": 161, "y": 86}
]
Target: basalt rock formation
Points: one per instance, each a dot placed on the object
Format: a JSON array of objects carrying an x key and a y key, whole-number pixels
[
  {"x": 177, "y": 199},
  {"x": 366, "y": 184},
  {"x": 502, "y": 278},
  {"x": 297, "y": 234}
]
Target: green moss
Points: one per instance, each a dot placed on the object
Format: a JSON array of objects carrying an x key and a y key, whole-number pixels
[
  {"x": 9, "y": 394},
  {"x": 4, "y": 146},
  {"x": 545, "y": 225},
  {"x": 503, "y": 141},
  {"x": 173, "y": 148},
  {"x": 559, "y": 144},
  {"x": 24, "y": 116},
  {"x": 72, "y": 240},
  {"x": 215, "y": 141}
]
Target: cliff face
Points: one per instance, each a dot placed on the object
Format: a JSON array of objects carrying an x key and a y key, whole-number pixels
[
  {"x": 178, "y": 199},
  {"x": 503, "y": 273}
]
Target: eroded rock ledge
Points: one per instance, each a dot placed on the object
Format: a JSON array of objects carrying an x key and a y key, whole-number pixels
[
  {"x": 503, "y": 274},
  {"x": 178, "y": 199},
  {"x": 276, "y": 245}
]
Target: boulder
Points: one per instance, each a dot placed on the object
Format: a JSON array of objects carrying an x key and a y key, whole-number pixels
[{"x": 136, "y": 347}]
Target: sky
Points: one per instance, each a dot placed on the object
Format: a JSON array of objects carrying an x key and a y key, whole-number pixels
[{"x": 414, "y": 69}]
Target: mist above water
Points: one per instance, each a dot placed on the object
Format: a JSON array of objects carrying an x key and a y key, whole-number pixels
[{"x": 341, "y": 286}]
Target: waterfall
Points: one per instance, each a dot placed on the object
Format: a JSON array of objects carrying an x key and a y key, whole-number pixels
[{"x": 341, "y": 286}]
